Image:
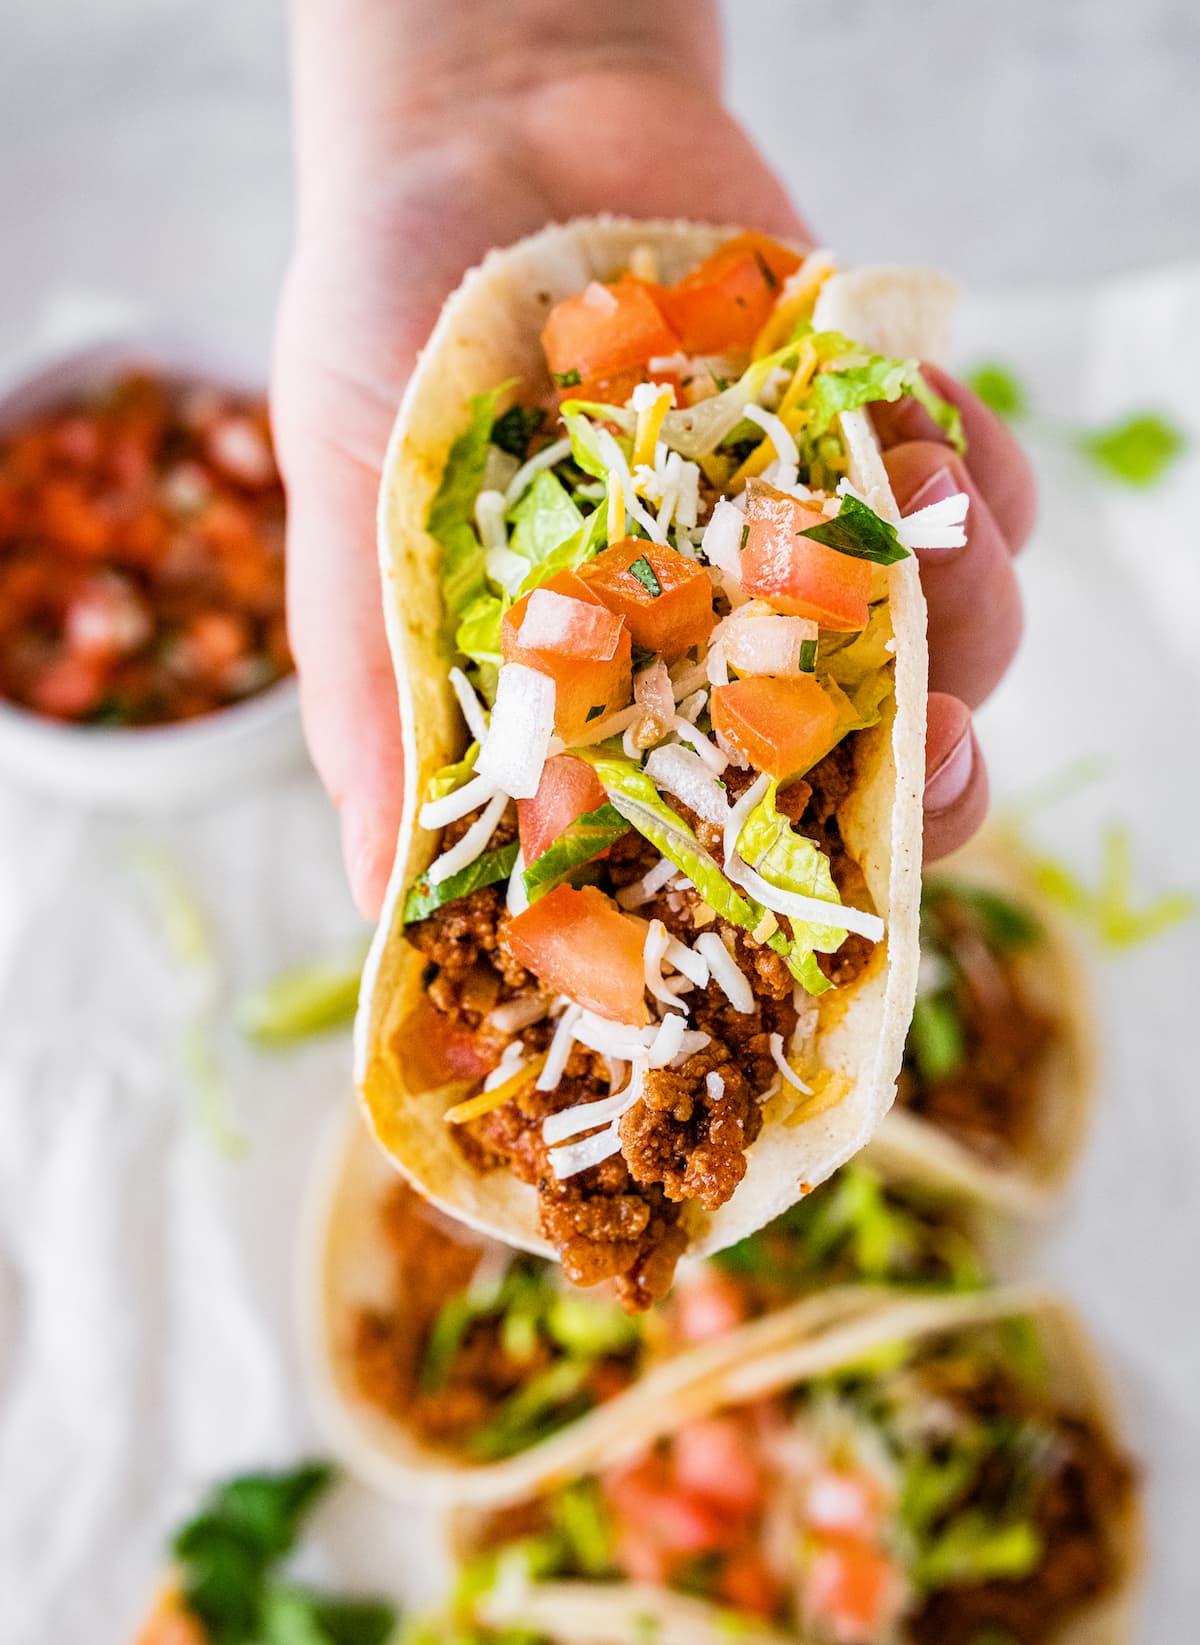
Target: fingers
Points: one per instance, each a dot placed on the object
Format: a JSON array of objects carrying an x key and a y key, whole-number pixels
[
  {"x": 956, "y": 783},
  {"x": 997, "y": 463},
  {"x": 347, "y": 686},
  {"x": 972, "y": 593}
]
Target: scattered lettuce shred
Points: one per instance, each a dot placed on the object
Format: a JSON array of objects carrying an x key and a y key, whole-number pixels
[
  {"x": 301, "y": 1002},
  {"x": 1109, "y": 910},
  {"x": 586, "y": 837},
  {"x": 791, "y": 862},
  {"x": 1137, "y": 451},
  {"x": 1000, "y": 389}
]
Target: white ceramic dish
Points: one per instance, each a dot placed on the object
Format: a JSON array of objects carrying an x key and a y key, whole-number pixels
[{"x": 150, "y": 767}]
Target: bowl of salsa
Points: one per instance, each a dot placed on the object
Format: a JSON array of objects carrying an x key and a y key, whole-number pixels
[{"x": 143, "y": 643}]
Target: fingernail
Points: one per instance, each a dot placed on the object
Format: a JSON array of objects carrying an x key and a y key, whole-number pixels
[{"x": 949, "y": 779}]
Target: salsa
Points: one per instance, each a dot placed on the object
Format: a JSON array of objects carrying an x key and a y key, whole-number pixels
[{"x": 141, "y": 555}]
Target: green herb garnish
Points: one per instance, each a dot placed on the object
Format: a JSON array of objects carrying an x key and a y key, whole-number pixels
[
  {"x": 567, "y": 379},
  {"x": 808, "y": 656},
  {"x": 514, "y": 428},
  {"x": 644, "y": 572},
  {"x": 858, "y": 531}
]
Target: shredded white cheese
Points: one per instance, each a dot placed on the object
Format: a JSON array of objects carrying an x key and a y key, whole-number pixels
[
  {"x": 511, "y": 1062},
  {"x": 464, "y": 852},
  {"x": 518, "y": 1013},
  {"x": 472, "y": 708},
  {"x": 775, "y": 1042},
  {"x": 653, "y": 953},
  {"x": 560, "y": 1049},
  {"x": 652, "y": 881},
  {"x": 726, "y": 972},
  {"x": 476, "y": 791},
  {"x": 714, "y": 1085}
]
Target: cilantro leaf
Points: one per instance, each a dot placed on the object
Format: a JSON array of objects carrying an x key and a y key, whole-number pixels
[
  {"x": 296, "y": 1616},
  {"x": 858, "y": 531},
  {"x": 645, "y": 574},
  {"x": 1137, "y": 451},
  {"x": 999, "y": 389},
  {"x": 487, "y": 869},
  {"x": 514, "y": 428}
]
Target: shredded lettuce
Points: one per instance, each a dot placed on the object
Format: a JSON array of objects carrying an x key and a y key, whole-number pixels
[
  {"x": 584, "y": 839},
  {"x": 478, "y": 638},
  {"x": 585, "y": 448},
  {"x": 573, "y": 552},
  {"x": 450, "y": 777},
  {"x": 487, "y": 869},
  {"x": 976, "y": 1548},
  {"x": 451, "y": 514},
  {"x": 876, "y": 378},
  {"x": 544, "y": 518},
  {"x": 791, "y": 862}
]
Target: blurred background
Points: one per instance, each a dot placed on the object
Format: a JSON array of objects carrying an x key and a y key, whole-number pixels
[{"x": 1045, "y": 155}]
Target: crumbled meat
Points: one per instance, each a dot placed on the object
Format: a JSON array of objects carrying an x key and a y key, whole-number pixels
[{"x": 679, "y": 1136}]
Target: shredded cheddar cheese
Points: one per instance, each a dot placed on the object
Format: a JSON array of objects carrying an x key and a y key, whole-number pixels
[{"x": 483, "y": 1103}]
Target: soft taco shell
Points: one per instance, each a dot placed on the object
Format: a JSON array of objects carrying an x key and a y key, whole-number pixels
[
  {"x": 909, "y": 1147},
  {"x": 488, "y": 333},
  {"x": 582, "y": 1613},
  {"x": 345, "y": 1267}
]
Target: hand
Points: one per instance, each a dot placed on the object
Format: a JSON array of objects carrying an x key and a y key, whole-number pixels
[{"x": 419, "y": 148}]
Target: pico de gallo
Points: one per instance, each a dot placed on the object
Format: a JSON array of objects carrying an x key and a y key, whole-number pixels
[
  {"x": 481, "y": 1351},
  {"x": 937, "y": 1493},
  {"x": 671, "y": 617},
  {"x": 980, "y": 1036},
  {"x": 141, "y": 555}
]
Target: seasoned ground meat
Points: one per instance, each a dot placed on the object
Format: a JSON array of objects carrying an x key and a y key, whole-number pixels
[
  {"x": 989, "y": 1100},
  {"x": 620, "y": 1220}
]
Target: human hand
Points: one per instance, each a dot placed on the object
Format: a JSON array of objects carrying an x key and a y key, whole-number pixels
[{"x": 423, "y": 140}]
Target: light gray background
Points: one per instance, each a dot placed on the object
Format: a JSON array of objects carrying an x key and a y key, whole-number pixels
[{"x": 144, "y": 143}]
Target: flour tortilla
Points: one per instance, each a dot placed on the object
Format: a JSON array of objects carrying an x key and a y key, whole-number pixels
[
  {"x": 345, "y": 1267},
  {"x": 488, "y": 333},
  {"x": 583, "y": 1613},
  {"x": 908, "y": 1147}
]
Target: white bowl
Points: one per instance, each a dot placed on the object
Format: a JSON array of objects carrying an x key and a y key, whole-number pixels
[{"x": 142, "y": 767}]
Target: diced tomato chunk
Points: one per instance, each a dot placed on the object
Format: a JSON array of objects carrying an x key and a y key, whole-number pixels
[
  {"x": 652, "y": 1510},
  {"x": 725, "y": 302},
  {"x": 781, "y": 725},
  {"x": 669, "y": 622},
  {"x": 716, "y": 1459},
  {"x": 850, "y": 1590},
  {"x": 569, "y": 789},
  {"x": 606, "y": 330},
  {"x": 170, "y": 1622},
  {"x": 580, "y": 944},
  {"x": 708, "y": 1306},
  {"x": 616, "y": 390},
  {"x": 798, "y": 576},
  {"x": 590, "y": 661},
  {"x": 747, "y": 1583},
  {"x": 434, "y": 1050}
]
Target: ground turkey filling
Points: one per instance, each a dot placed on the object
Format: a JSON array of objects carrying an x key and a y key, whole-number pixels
[
  {"x": 620, "y": 1220},
  {"x": 989, "y": 1101}
]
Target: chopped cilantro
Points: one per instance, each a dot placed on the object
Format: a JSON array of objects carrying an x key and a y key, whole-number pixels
[
  {"x": 567, "y": 379},
  {"x": 745, "y": 536},
  {"x": 514, "y": 428},
  {"x": 595, "y": 712},
  {"x": 858, "y": 531},
  {"x": 1137, "y": 451},
  {"x": 644, "y": 572},
  {"x": 999, "y": 389},
  {"x": 808, "y": 656}
]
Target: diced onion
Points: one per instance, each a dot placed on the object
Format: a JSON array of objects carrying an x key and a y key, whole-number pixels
[
  {"x": 476, "y": 791},
  {"x": 651, "y": 883},
  {"x": 775, "y": 1042},
  {"x": 549, "y": 619},
  {"x": 560, "y": 1049},
  {"x": 684, "y": 774},
  {"x": 545, "y": 458},
  {"x": 574, "y": 1157},
  {"x": 511, "y": 1062},
  {"x": 472, "y": 709},
  {"x": 777, "y": 432},
  {"x": 519, "y": 735},
  {"x": 717, "y": 664},
  {"x": 726, "y": 972},
  {"x": 518, "y": 1013},
  {"x": 766, "y": 644},
  {"x": 464, "y": 851},
  {"x": 652, "y": 690},
  {"x": 714, "y": 1085},
  {"x": 653, "y": 952},
  {"x": 688, "y": 677},
  {"x": 690, "y": 707},
  {"x": 722, "y": 540}
]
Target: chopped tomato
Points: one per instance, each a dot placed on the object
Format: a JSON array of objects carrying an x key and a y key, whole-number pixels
[
  {"x": 716, "y": 1459},
  {"x": 569, "y": 789},
  {"x": 747, "y": 1583},
  {"x": 850, "y": 1590},
  {"x": 585, "y": 649},
  {"x": 781, "y": 725},
  {"x": 606, "y": 330},
  {"x": 616, "y": 390},
  {"x": 798, "y": 576},
  {"x": 652, "y": 1510},
  {"x": 435, "y": 1050},
  {"x": 838, "y": 1501},
  {"x": 708, "y": 1307},
  {"x": 673, "y": 619},
  {"x": 725, "y": 302},
  {"x": 579, "y": 943}
]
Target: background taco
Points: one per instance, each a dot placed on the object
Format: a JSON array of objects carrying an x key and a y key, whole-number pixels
[
  {"x": 605, "y": 1222},
  {"x": 937, "y": 1469}
]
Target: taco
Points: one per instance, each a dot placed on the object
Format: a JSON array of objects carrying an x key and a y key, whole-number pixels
[
  {"x": 446, "y": 1366},
  {"x": 649, "y": 952},
  {"x": 937, "y": 1470},
  {"x": 999, "y": 1066}
]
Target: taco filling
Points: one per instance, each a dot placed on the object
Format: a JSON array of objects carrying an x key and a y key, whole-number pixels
[
  {"x": 980, "y": 1037},
  {"x": 671, "y": 617},
  {"x": 938, "y": 1494},
  {"x": 481, "y": 1351}
]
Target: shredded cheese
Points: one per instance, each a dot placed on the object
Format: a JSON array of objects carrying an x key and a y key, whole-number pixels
[
  {"x": 464, "y": 852},
  {"x": 475, "y": 1107},
  {"x": 775, "y": 1042},
  {"x": 651, "y": 402},
  {"x": 726, "y": 972}
]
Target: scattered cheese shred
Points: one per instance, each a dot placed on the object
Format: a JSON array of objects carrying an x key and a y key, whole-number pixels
[
  {"x": 474, "y": 1107},
  {"x": 651, "y": 405}
]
